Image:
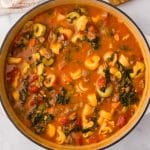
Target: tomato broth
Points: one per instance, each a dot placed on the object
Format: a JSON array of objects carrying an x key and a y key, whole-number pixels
[{"x": 75, "y": 74}]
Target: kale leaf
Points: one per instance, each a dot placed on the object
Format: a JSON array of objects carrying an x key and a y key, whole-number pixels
[
  {"x": 23, "y": 92},
  {"x": 62, "y": 98},
  {"x": 127, "y": 92},
  {"x": 39, "y": 119}
]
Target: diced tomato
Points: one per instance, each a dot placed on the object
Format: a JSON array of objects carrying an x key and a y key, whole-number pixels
[
  {"x": 63, "y": 120},
  {"x": 93, "y": 139},
  {"x": 101, "y": 137},
  {"x": 101, "y": 81},
  {"x": 121, "y": 121},
  {"x": 32, "y": 102},
  {"x": 33, "y": 89},
  {"x": 78, "y": 139},
  {"x": 78, "y": 122},
  {"x": 12, "y": 74},
  {"x": 33, "y": 78}
]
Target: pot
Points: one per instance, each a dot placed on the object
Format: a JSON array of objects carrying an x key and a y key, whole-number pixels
[{"x": 144, "y": 100}]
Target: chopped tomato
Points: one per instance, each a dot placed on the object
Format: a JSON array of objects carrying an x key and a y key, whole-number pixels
[
  {"x": 12, "y": 74},
  {"x": 121, "y": 121},
  {"x": 32, "y": 102},
  {"x": 78, "y": 139},
  {"x": 33, "y": 89},
  {"x": 101, "y": 137},
  {"x": 63, "y": 120},
  {"x": 78, "y": 122},
  {"x": 93, "y": 139},
  {"x": 101, "y": 81}
]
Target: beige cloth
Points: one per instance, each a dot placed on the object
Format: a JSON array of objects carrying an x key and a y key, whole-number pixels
[{"x": 15, "y": 6}]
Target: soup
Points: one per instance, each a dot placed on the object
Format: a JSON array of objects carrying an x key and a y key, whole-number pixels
[{"x": 75, "y": 74}]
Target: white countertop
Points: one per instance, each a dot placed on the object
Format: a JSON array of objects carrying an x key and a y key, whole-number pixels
[{"x": 138, "y": 139}]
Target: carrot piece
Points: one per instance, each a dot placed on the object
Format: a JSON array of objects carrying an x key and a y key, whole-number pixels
[
  {"x": 31, "y": 43},
  {"x": 114, "y": 106}
]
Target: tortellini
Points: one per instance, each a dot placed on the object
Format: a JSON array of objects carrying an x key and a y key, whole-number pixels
[
  {"x": 36, "y": 56},
  {"x": 60, "y": 136},
  {"x": 72, "y": 16},
  {"x": 105, "y": 114},
  {"x": 16, "y": 95},
  {"x": 86, "y": 124},
  {"x": 55, "y": 47},
  {"x": 110, "y": 57},
  {"x": 106, "y": 125},
  {"x": 40, "y": 69},
  {"x": 108, "y": 91},
  {"x": 92, "y": 62},
  {"x": 92, "y": 99},
  {"x": 76, "y": 37},
  {"x": 44, "y": 52},
  {"x": 87, "y": 110},
  {"x": 65, "y": 31},
  {"x": 115, "y": 72},
  {"x": 81, "y": 23},
  {"x": 80, "y": 88},
  {"x": 39, "y": 29},
  {"x": 137, "y": 69},
  {"x": 51, "y": 130},
  {"x": 104, "y": 129},
  {"x": 76, "y": 75},
  {"x": 49, "y": 80},
  {"x": 87, "y": 134},
  {"x": 14, "y": 60},
  {"x": 25, "y": 68},
  {"x": 124, "y": 61}
]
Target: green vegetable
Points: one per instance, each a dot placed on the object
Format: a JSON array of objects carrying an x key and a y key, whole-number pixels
[
  {"x": 109, "y": 32},
  {"x": 111, "y": 58},
  {"x": 72, "y": 127},
  {"x": 75, "y": 14},
  {"x": 68, "y": 56},
  {"x": 39, "y": 119},
  {"x": 128, "y": 98},
  {"x": 107, "y": 75},
  {"x": 23, "y": 92},
  {"x": 94, "y": 119},
  {"x": 28, "y": 35},
  {"x": 124, "y": 47},
  {"x": 62, "y": 98},
  {"x": 127, "y": 93},
  {"x": 95, "y": 43},
  {"x": 81, "y": 10},
  {"x": 72, "y": 16},
  {"x": 23, "y": 95}
]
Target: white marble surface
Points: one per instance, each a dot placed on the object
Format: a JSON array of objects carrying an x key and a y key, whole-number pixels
[{"x": 138, "y": 139}]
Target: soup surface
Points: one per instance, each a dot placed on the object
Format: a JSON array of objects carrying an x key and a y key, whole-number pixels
[{"x": 75, "y": 74}]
